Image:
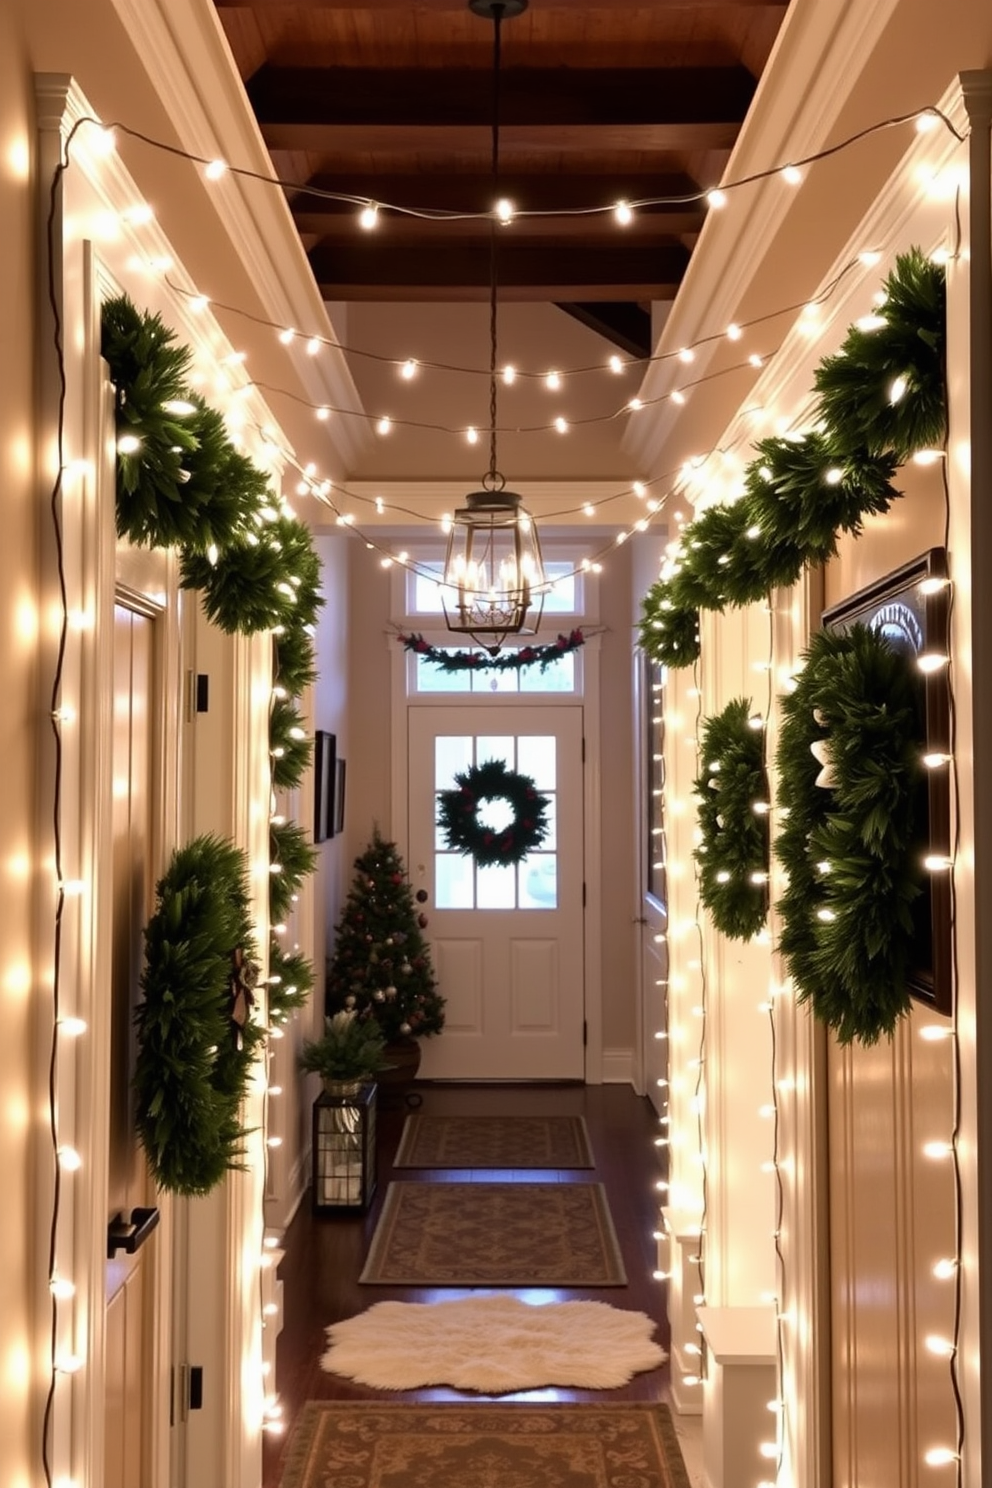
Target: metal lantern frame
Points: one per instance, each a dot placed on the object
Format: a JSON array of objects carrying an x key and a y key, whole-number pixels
[
  {"x": 344, "y": 1150},
  {"x": 493, "y": 570}
]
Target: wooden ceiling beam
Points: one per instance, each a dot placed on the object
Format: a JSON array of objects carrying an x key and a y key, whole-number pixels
[
  {"x": 376, "y": 271},
  {"x": 404, "y": 98},
  {"x": 446, "y": 7}
]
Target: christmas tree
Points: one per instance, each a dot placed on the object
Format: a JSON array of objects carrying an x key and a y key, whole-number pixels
[{"x": 381, "y": 964}]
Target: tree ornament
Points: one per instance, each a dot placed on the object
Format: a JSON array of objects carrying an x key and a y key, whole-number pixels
[
  {"x": 468, "y": 833},
  {"x": 423, "y": 921},
  {"x": 421, "y": 896}
]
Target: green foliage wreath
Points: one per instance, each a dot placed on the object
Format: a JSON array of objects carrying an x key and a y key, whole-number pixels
[
  {"x": 854, "y": 866},
  {"x": 732, "y": 858},
  {"x": 881, "y": 398},
  {"x": 468, "y": 833},
  {"x": 196, "y": 1037}
]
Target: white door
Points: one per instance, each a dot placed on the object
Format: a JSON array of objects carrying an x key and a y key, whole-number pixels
[{"x": 507, "y": 942}]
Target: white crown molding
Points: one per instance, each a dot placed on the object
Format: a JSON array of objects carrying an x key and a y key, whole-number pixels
[
  {"x": 199, "y": 87},
  {"x": 820, "y": 52}
]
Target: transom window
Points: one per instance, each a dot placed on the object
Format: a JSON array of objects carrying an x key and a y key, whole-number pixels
[{"x": 558, "y": 676}]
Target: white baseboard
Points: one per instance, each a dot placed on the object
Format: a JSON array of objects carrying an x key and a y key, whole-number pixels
[{"x": 618, "y": 1066}]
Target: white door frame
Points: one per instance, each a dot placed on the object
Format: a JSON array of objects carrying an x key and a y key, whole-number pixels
[{"x": 401, "y": 663}]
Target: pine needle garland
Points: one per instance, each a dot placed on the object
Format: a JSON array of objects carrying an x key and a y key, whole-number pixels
[
  {"x": 884, "y": 390},
  {"x": 294, "y": 657},
  {"x": 732, "y": 856},
  {"x": 290, "y": 745},
  {"x": 668, "y": 633},
  {"x": 291, "y": 980},
  {"x": 850, "y": 852},
  {"x": 196, "y": 1038},
  {"x": 291, "y": 859},
  {"x": 266, "y": 577}
]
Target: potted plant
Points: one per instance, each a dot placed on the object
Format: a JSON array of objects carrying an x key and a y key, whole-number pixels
[{"x": 348, "y": 1054}]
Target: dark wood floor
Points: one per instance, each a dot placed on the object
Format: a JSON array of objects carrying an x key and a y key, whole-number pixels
[{"x": 325, "y": 1255}]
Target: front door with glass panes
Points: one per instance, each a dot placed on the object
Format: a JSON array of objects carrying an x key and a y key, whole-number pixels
[{"x": 507, "y": 941}]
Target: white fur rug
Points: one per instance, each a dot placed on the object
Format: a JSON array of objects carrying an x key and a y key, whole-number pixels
[{"x": 494, "y": 1344}]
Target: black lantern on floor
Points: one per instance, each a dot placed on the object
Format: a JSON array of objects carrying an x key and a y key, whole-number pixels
[
  {"x": 344, "y": 1165},
  {"x": 493, "y": 574}
]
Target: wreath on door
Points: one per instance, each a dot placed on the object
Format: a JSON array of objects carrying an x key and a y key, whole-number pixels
[{"x": 462, "y": 819}]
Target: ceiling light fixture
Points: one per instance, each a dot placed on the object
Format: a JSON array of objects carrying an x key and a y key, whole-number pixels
[{"x": 493, "y": 573}]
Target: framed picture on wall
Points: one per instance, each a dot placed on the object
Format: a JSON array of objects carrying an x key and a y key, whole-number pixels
[
  {"x": 324, "y": 773},
  {"x": 910, "y": 607},
  {"x": 339, "y": 797}
]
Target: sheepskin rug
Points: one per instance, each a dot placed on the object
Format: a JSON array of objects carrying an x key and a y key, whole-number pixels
[{"x": 493, "y": 1344}]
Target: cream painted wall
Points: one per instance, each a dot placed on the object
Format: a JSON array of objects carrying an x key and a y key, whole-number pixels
[{"x": 20, "y": 865}]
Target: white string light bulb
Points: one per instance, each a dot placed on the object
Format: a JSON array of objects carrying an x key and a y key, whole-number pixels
[{"x": 369, "y": 217}]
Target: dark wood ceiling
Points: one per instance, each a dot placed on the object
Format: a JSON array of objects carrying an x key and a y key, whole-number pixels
[{"x": 390, "y": 101}]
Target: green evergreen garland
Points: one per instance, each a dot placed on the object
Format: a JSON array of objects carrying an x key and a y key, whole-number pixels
[
  {"x": 508, "y": 661},
  {"x": 194, "y": 1062},
  {"x": 291, "y": 979},
  {"x": 884, "y": 390},
  {"x": 295, "y": 661},
  {"x": 294, "y": 858},
  {"x": 266, "y": 576},
  {"x": 732, "y": 857},
  {"x": 289, "y": 744},
  {"x": 853, "y": 865},
  {"x": 381, "y": 963},
  {"x": 799, "y": 494}
]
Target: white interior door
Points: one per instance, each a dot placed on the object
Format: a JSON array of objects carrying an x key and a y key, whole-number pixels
[{"x": 507, "y": 942}]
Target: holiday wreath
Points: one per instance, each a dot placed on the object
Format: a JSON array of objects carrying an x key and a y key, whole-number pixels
[
  {"x": 469, "y": 833},
  {"x": 197, "y": 1039},
  {"x": 732, "y": 856},
  {"x": 848, "y": 836}
]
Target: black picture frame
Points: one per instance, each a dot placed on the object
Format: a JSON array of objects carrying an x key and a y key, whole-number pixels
[
  {"x": 339, "y": 797},
  {"x": 324, "y": 774},
  {"x": 911, "y": 607}
]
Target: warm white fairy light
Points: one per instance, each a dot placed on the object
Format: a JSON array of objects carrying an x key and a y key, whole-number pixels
[
  {"x": 383, "y": 425},
  {"x": 409, "y": 369},
  {"x": 472, "y": 435},
  {"x": 931, "y": 661},
  {"x": 616, "y": 364},
  {"x": 734, "y": 332},
  {"x": 504, "y": 210},
  {"x": 716, "y": 198},
  {"x": 791, "y": 175},
  {"x": 677, "y": 396},
  {"x": 509, "y": 375},
  {"x": 561, "y": 425},
  {"x": 368, "y": 218},
  {"x": 73, "y": 1027},
  {"x": 553, "y": 381},
  {"x": 215, "y": 169},
  {"x": 939, "y": 1457},
  {"x": 623, "y": 213}
]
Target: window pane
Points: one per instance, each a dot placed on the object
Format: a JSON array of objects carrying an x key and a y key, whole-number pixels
[
  {"x": 490, "y": 681},
  {"x": 452, "y": 881},
  {"x": 558, "y": 676},
  {"x": 536, "y": 758},
  {"x": 430, "y": 678},
  {"x": 539, "y": 882},
  {"x": 550, "y": 842},
  {"x": 426, "y": 596},
  {"x": 563, "y": 598},
  {"x": 452, "y": 752},
  {"x": 495, "y": 747},
  {"x": 496, "y": 888}
]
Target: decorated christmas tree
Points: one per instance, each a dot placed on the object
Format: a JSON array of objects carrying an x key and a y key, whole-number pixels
[{"x": 381, "y": 963}]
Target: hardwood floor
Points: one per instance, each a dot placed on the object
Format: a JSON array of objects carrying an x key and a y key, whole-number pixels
[{"x": 324, "y": 1255}]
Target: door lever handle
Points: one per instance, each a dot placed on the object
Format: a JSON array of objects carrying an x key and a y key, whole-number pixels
[{"x": 130, "y": 1235}]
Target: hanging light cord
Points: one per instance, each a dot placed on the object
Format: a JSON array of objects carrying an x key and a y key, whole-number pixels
[{"x": 494, "y": 481}]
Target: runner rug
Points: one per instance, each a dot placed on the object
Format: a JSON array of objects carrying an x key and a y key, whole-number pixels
[
  {"x": 494, "y": 1142},
  {"x": 495, "y": 1234},
  {"x": 464, "y": 1446},
  {"x": 497, "y": 1345}
]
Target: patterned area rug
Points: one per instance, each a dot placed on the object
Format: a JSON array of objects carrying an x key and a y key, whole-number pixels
[
  {"x": 495, "y": 1234},
  {"x": 483, "y": 1446},
  {"x": 494, "y": 1142}
]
